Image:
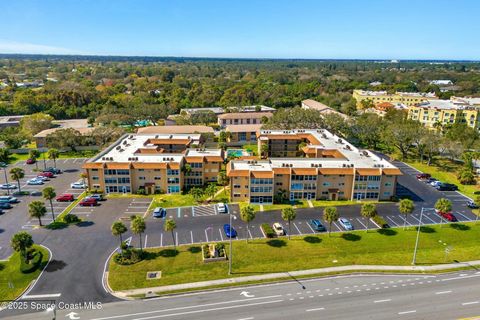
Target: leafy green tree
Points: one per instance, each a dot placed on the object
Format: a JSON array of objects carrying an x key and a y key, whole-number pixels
[
  {"x": 5, "y": 155},
  {"x": 443, "y": 205},
  {"x": 368, "y": 211},
  {"x": 36, "y": 209},
  {"x": 34, "y": 154},
  {"x": 197, "y": 193},
  {"x": 222, "y": 178},
  {"x": 169, "y": 226},
  {"x": 406, "y": 207},
  {"x": 211, "y": 190},
  {"x": 138, "y": 226},
  {"x": 330, "y": 214},
  {"x": 289, "y": 214},
  {"x": 34, "y": 123},
  {"x": 65, "y": 138},
  {"x": 21, "y": 242},
  {"x": 53, "y": 154},
  {"x": 17, "y": 174},
  {"x": 247, "y": 214},
  {"x": 49, "y": 194},
  {"x": 118, "y": 228}
]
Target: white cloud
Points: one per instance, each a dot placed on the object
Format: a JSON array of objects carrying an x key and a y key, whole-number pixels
[{"x": 7, "y": 46}]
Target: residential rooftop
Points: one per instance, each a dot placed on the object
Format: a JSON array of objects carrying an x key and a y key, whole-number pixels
[
  {"x": 175, "y": 129},
  {"x": 405, "y": 94},
  {"x": 245, "y": 115},
  {"x": 243, "y": 127}
]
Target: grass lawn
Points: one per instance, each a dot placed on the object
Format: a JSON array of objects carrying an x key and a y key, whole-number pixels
[
  {"x": 10, "y": 272},
  {"x": 386, "y": 246},
  {"x": 302, "y": 204},
  {"x": 173, "y": 200},
  {"x": 445, "y": 170},
  {"x": 63, "y": 155},
  {"x": 253, "y": 148}
]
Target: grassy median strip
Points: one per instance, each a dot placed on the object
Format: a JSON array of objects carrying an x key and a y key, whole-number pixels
[
  {"x": 59, "y": 222},
  {"x": 379, "y": 247},
  {"x": 12, "y": 281}
]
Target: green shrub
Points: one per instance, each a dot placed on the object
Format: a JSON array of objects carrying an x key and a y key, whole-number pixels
[
  {"x": 34, "y": 261},
  {"x": 71, "y": 218},
  {"x": 380, "y": 221},
  {"x": 129, "y": 256},
  {"x": 268, "y": 230}
]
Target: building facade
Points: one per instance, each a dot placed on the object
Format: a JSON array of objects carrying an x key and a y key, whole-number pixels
[
  {"x": 237, "y": 118},
  {"x": 328, "y": 168},
  {"x": 153, "y": 163},
  {"x": 242, "y": 134},
  {"x": 377, "y": 97}
]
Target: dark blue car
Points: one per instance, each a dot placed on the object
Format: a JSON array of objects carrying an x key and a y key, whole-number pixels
[{"x": 229, "y": 231}]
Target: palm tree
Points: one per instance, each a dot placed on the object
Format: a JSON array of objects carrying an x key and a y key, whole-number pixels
[
  {"x": 247, "y": 214},
  {"x": 406, "y": 207},
  {"x": 34, "y": 154},
  {"x": 118, "y": 228},
  {"x": 49, "y": 194},
  {"x": 210, "y": 190},
  {"x": 170, "y": 225},
  {"x": 443, "y": 205},
  {"x": 53, "y": 154},
  {"x": 368, "y": 210},
  {"x": 4, "y": 155},
  {"x": 37, "y": 209},
  {"x": 20, "y": 242},
  {"x": 137, "y": 225},
  {"x": 477, "y": 203},
  {"x": 17, "y": 174},
  {"x": 289, "y": 214},
  {"x": 83, "y": 176},
  {"x": 197, "y": 193},
  {"x": 330, "y": 214}
]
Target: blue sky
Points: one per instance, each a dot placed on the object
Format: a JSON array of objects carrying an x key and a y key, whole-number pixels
[{"x": 388, "y": 29}]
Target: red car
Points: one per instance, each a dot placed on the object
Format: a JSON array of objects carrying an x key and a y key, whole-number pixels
[
  {"x": 30, "y": 161},
  {"x": 88, "y": 202},
  {"x": 450, "y": 217},
  {"x": 65, "y": 197},
  {"x": 47, "y": 174},
  {"x": 423, "y": 176}
]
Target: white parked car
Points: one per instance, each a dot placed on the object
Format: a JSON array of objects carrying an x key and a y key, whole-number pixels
[
  {"x": 42, "y": 178},
  {"x": 278, "y": 229},
  {"x": 8, "y": 186},
  {"x": 345, "y": 224},
  {"x": 78, "y": 185},
  {"x": 221, "y": 207},
  {"x": 35, "y": 181}
]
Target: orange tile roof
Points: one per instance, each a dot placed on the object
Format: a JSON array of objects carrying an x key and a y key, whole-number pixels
[
  {"x": 262, "y": 174},
  {"x": 369, "y": 172},
  {"x": 305, "y": 171},
  {"x": 168, "y": 141},
  {"x": 392, "y": 171},
  {"x": 174, "y": 165},
  {"x": 336, "y": 171},
  {"x": 144, "y": 165},
  {"x": 214, "y": 158},
  {"x": 118, "y": 165},
  {"x": 93, "y": 165},
  {"x": 175, "y": 129},
  {"x": 194, "y": 159},
  {"x": 245, "y": 115},
  {"x": 238, "y": 173},
  {"x": 281, "y": 170}
]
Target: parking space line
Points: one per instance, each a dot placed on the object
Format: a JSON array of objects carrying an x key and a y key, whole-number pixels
[
  {"x": 161, "y": 239},
  {"x": 263, "y": 233},
  {"x": 178, "y": 212},
  {"x": 308, "y": 224},
  {"x": 415, "y": 218},
  {"x": 250, "y": 234},
  {"x": 221, "y": 236},
  {"x": 391, "y": 220},
  {"x": 206, "y": 235},
  {"x": 361, "y": 223},
  {"x": 299, "y": 232},
  {"x": 467, "y": 218},
  {"x": 193, "y": 211},
  {"x": 146, "y": 238},
  {"x": 175, "y": 242},
  {"x": 426, "y": 216},
  {"x": 191, "y": 235},
  {"x": 336, "y": 225}
]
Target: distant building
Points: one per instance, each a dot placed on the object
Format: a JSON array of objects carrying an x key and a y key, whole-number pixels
[
  {"x": 322, "y": 108},
  {"x": 406, "y": 98},
  {"x": 10, "y": 121},
  {"x": 190, "y": 111},
  {"x": 81, "y": 125},
  {"x": 175, "y": 129},
  {"x": 375, "y": 83},
  {"x": 236, "y": 118},
  {"x": 441, "y": 82}
]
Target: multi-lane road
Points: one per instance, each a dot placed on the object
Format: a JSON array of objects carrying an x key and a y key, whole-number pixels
[{"x": 447, "y": 296}]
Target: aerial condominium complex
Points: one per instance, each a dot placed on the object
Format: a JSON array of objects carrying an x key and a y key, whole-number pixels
[
  {"x": 310, "y": 164},
  {"x": 377, "y": 97},
  {"x": 155, "y": 163},
  {"x": 432, "y": 113}
]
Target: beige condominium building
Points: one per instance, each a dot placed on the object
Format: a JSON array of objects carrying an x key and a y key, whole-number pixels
[
  {"x": 157, "y": 163},
  {"x": 310, "y": 164},
  {"x": 377, "y": 97}
]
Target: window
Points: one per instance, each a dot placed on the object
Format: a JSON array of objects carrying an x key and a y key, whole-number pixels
[
  {"x": 262, "y": 181},
  {"x": 279, "y": 184},
  {"x": 296, "y": 186},
  {"x": 171, "y": 172},
  {"x": 173, "y": 189},
  {"x": 94, "y": 178},
  {"x": 157, "y": 178},
  {"x": 141, "y": 178},
  {"x": 196, "y": 165},
  {"x": 386, "y": 193},
  {"x": 110, "y": 180},
  {"x": 261, "y": 189},
  {"x": 236, "y": 186},
  {"x": 173, "y": 180},
  {"x": 341, "y": 184},
  {"x": 123, "y": 180},
  {"x": 326, "y": 184},
  {"x": 156, "y": 170},
  {"x": 94, "y": 170},
  {"x": 110, "y": 172},
  {"x": 141, "y": 170},
  {"x": 242, "y": 136},
  {"x": 388, "y": 184},
  {"x": 123, "y": 172}
]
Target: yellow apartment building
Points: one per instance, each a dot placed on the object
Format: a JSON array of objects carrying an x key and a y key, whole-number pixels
[{"x": 377, "y": 97}]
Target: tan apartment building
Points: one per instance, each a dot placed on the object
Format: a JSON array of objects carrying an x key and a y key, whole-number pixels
[
  {"x": 377, "y": 97},
  {"x": 237, "y": 118},
  {"x": 154, "y": 163},
  {"x": 242, "y": 134},
  {"x": 322, "y": 108},
  {"x": 329, "y": 169}
]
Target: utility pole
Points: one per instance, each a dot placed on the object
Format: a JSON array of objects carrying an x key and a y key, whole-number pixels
[{"x": 418, "y": 236}]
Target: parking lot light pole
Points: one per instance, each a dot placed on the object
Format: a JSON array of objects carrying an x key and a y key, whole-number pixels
[
  {"x": 418, "y": 236},
  {"x": 4, "y": 166},
  {"x": 230, "y": 258}
]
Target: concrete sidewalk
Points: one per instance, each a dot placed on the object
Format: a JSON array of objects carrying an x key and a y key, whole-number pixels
[{"x": 279, "y": 275}]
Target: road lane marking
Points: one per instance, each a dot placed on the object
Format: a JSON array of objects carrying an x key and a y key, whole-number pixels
[
  {"x": 308, "y": 224},
  {"x": 314, "y": 309},
  {"x": 380, "y": 301},
  {"x": 221, "y": 236},
  {"x": 40, "y": 296},
  {"x": 206, "y": 235},
  {"x": 469, "y": 303},
  {"x": 456, "y": 278},
  {"x": 467, "y": 218},
  {"x": 146, "y": 238},
  {"x": 405, "y": 312},
  {"x": 161, "y": 239},
  {"x": 249, "y": 318},
  {"x": 191, "y": 235},
  {"x": 443, "y": 292}
]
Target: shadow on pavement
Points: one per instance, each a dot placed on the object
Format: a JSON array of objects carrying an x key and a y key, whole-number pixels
[
  {"x": 85, "y": 224},
  {"x": 55, "y": 265},
  {"x": 404, "y": 192}
]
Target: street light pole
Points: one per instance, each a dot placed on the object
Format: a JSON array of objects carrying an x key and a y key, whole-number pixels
[
  {"x": 230, "y": 258},
  {"x": 418, "y": 236}
]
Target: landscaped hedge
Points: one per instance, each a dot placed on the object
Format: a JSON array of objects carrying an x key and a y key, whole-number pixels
[
  {"x": 33, "y": 263},
  {"x": 71, "y": 218},
  {"x": 267, "y": 230},
  {"x": 380, "y": 221},
  {"x": 129, "y": 256}
]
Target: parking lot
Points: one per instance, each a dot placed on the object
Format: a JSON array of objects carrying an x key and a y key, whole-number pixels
[{"x": 17, "y": 218}]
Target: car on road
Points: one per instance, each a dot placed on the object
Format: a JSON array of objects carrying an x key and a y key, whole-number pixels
[
  {"x": 78, "y": 185},
  {"x": 435, "y": 183},
  {"x": 35, "y": 181},
  {"x": 229, "y": 231},
  {"x": 159, "y": 212},
  {"x": 431, "y": 181},
  {"x": 472, "y": 205},
  {"x": 96, "y": 196},
  {"x": 8, "y": 186},
  {"x": 88, "y": 202},
  {"x": 221, "y": 207},
  {"x": 345, "y": 223},
  {"x": 423, "y": 176},
  {"x": 65, "y": 197},
  {"x": 5, "y": 205},
  {"x": 53, "y": 170},
  {"x": 30, "y": 161},
  {"x": 446, "y": 187},
  {"x": 47, "y": 174},
  {"x": 278, "y": 229},
  {"x": 8, "y": 199},
  {"x": 317, "y": 225}
]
